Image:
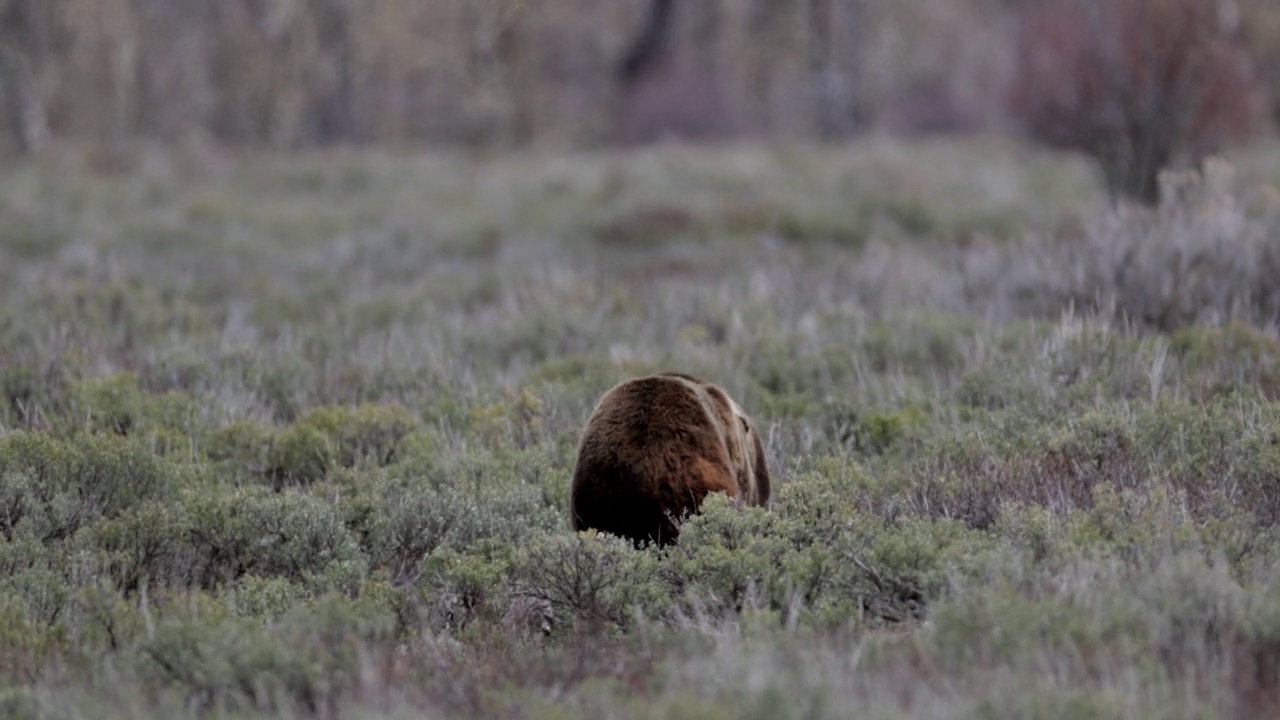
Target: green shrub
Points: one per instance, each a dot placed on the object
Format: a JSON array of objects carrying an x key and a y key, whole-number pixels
[
  {"x": 104, "y": 622},
  {"x": 1194, "y": 609},
  {"x": 185, "y": 368},
  {"x": 817, "y": 558},
  {"x": 1203, "y": 448},
  {"x": 1031, "y": 528},
  {"x": 400, "y": 521},
  {"x": 321, "y": 439},
  {"x": 902, "y": 569},
  {"x": 412, "y": 521},
  {"x": 992, "y": 622},
  {"x": 299, "y": 455},
  {"x": 252, "y": 531},
  {"x": 147, "y": 544},
  {"x": 21, "y": 703},
  {"x": 928, "y": 342},
  {"x": 460, "y": 587},
  {"x": 24, "y": 552},
  {"x": 32, "y": 391},
  {"x": 591, "y": 582},
  {"x": 517, "y": 418},
  {"x": 53, "y": 487},
  {"x": 29, "y": 638},
  {"x": 729, "y": 559},
  {"x": 1096, "y": 447},
  {"x": 242, "y": 450},
  {"x": 167, "y": 423},
  {"x": 366, "y": 433},
  {"x": 310, "y": 656},
  {"x": 1134, "y": 523},
  {"x": 845, "y": 228},
  {"x": 115, "y": 404},
  {"x": 283, "y": 385},
  {"x": 220, "y": 662},
  {"x": 868, "y": 431},
  {"x": 420, "y": 447},
  {"x": 825, "y": 500},
  {"x": 1234, "y": 356}
]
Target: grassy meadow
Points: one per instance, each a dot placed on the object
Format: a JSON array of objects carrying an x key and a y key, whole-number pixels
[{"x": 292, "y": 436}]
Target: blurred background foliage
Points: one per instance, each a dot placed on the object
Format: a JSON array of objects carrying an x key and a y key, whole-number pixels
[{"x": 1135, "y": 83}]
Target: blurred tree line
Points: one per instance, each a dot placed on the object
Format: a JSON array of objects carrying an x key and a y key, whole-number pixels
[
  {"x": 297, "y": 73},
  {"x": 303, "y": 73}
]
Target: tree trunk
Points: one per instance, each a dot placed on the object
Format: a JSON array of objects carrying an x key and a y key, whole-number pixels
[
  {"x": 834, "y": 65},
  {"x": 21, "y": 108},
  {"x": 651, "y": 44}
]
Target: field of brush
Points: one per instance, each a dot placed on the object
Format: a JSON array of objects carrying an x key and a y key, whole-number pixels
[{"x": 293, "y": 436}]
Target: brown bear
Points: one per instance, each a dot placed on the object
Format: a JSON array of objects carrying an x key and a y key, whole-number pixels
[{"x": 651, "y": 451}]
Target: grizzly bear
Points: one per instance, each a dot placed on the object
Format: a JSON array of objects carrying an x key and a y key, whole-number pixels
[{"x": 651, "y": 451}]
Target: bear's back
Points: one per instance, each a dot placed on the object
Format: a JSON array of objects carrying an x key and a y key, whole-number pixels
[{"x": 652, "y": 449}]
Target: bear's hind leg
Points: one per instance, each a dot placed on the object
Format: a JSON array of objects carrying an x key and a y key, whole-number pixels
[{"x": 621, "y": 511}]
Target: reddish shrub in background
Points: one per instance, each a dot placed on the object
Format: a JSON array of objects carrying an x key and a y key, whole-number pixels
[
  {"x": 1259, "y": 22},
  {"x": 679, "y": 98},
  {"x": 1134, "y": 83}
]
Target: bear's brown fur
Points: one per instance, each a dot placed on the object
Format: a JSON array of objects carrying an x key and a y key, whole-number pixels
[{"x": 651, "y": 451}]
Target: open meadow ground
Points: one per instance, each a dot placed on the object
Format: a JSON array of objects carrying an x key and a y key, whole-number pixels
[{"x": 293, "y": 436}]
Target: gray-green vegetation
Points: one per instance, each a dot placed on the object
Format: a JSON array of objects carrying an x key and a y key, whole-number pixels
[{"x": 293, "y": 436}]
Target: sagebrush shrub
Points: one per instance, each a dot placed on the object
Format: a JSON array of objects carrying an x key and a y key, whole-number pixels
[
  {"x": 170, "y": 423},
  {"x": 148, "y": 544},
  {"x": 21, "y": 703},
  {"x": 115, "y": 404},
  {"x": 223, "y": 662},
  {"x": 400, "y": 515},
  {"x": 462, "y": 586},
  {"x": 242, "y": 451},
  {"x": 266, "y": 598},
  {"x": 43, "y": 594},
  {"x": 101, "y": 620},
  {"x": 27, "y": 640},
  {"x": 414, "y": 521},
  {"x": 1233, "y": 357},
  {"x": 367, "y": 433},
  {"x": 253, "y": 531},
  {"x": 592, "y": 582},
  {"x": 321, "y": 439},
  {"x": 52, "y": 487},
  {"x": 729, "y": 559},
  {"x": 32, "y": 391},
  {"x": 299, "y": 455},
  {"x": 1198, "y": 258}
]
